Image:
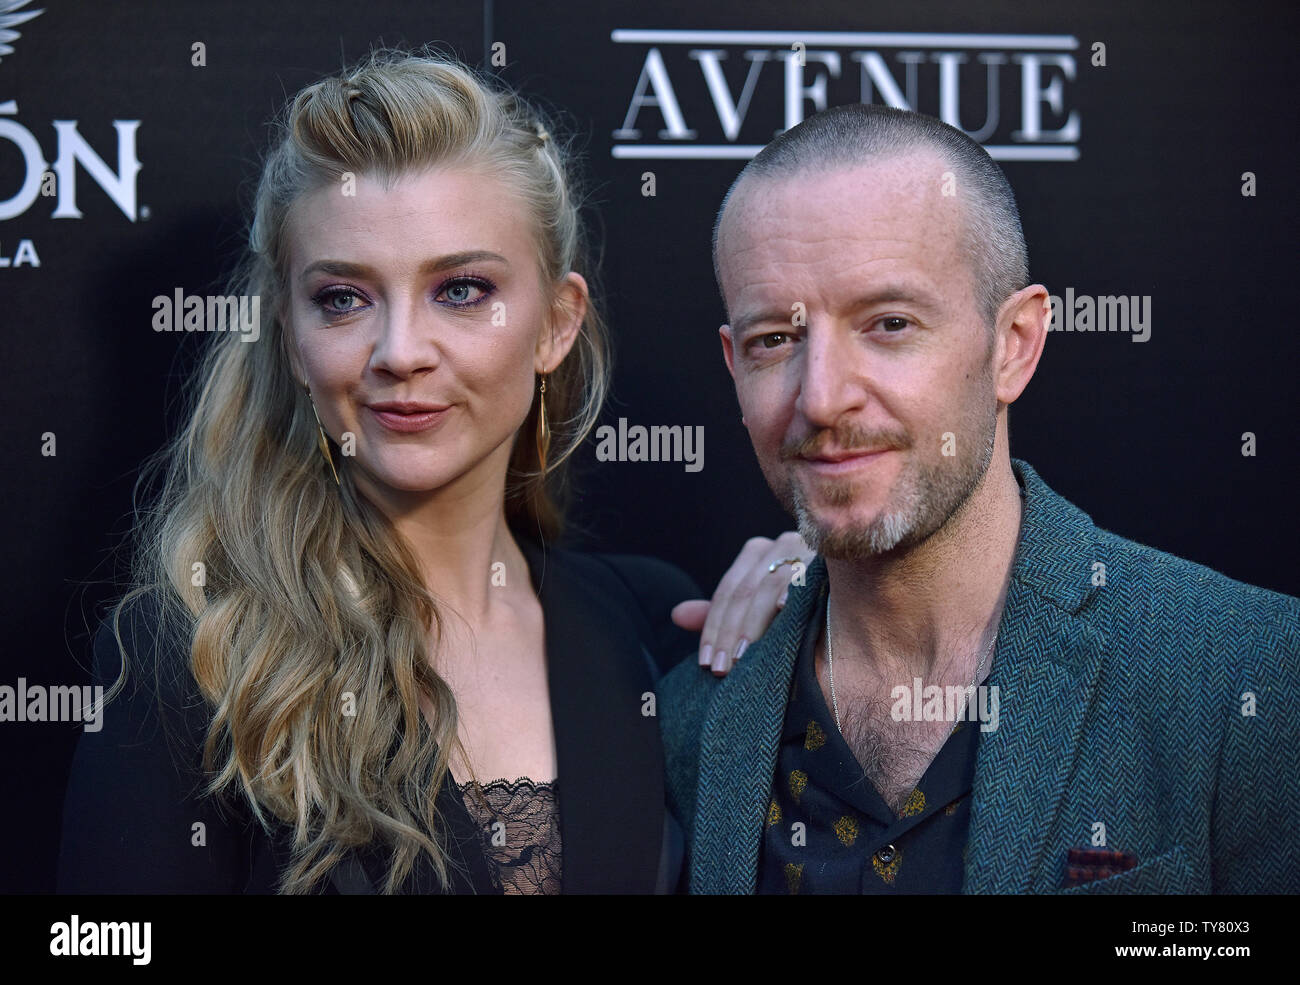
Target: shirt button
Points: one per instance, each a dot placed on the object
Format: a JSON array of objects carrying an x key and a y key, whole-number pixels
[{"x": 886, "y": 854}]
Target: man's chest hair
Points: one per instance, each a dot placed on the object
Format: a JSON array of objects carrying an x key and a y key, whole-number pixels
[{"x": 893, "y": 755}]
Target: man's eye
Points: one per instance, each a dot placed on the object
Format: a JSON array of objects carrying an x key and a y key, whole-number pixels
[
  {"x": 894, "y": 323},
  {"x": 773, "y": 339}
]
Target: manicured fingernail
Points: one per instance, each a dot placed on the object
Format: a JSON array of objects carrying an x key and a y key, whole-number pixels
[
  {"x": 706, "y": 654},
  {"x": 780, "y": 603},
  {"x": 720, "y": 662},
  {"x": 740, "y": 650}
]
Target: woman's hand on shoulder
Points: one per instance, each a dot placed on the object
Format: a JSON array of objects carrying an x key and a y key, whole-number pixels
[{"x": 746, "y": 601}]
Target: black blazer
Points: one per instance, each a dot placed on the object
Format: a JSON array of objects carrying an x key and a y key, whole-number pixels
[{"x": 136, "y": 820}]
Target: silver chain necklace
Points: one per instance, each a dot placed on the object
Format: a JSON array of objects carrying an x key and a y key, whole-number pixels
[{"x": 830, "y": 668}]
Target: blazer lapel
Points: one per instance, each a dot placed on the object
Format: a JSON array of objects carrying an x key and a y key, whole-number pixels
[
  {"x": 738, "y": 749},
  {"x": 1046, "y": 668},
  {"x": 611, "y": 783}
]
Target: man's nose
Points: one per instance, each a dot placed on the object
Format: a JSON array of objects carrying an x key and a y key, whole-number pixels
[{"x": 831, "y": 381}]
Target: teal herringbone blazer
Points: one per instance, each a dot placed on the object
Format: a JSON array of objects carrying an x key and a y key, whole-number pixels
[{"x": 1120, "y": 703}]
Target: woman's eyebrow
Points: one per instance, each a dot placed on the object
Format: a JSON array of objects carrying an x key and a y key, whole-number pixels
[{"x": 343, "y": 268}]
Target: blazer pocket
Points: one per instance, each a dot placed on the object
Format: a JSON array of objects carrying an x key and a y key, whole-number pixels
[{"x": 1170, "y": 872}]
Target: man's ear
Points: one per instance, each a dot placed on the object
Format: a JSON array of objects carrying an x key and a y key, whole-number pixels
[
  {"x": 563, "y": 322},
  {"x": 1021, "y": 331},
  {"x": 728, "y": 350}
]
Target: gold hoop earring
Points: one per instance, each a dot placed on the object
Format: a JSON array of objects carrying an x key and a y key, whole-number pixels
[
  {"x": 543, "y": 428},
  {"x": 321, "y": 440}
]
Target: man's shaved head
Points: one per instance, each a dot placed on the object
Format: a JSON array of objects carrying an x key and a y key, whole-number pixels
[{"x": 861, "y": 134}]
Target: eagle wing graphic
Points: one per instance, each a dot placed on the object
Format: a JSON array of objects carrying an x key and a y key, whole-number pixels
[{"x": 11, "y": 18}]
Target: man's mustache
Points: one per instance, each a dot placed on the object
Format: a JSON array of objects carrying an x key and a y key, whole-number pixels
[{"x": 843, "y": 439}]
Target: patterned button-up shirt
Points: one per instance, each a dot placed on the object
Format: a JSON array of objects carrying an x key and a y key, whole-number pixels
[{"x": 829, "y": 831}]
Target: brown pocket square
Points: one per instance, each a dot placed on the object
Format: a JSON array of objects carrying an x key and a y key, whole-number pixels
[{"x": 1083, "y": 865}]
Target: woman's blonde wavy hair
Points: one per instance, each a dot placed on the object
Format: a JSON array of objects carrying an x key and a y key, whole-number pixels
[{"x": 309, "y": 593}]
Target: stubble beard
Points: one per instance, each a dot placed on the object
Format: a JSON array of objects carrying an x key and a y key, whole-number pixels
[{"x": 926, "y": 496}]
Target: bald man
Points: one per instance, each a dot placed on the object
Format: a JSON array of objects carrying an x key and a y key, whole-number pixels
[{"x": 974, "y": 689}]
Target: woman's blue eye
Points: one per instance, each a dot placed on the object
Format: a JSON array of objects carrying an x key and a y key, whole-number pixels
[
  {"x": 334, "y": 303},
  {"x": 461, "y": 293}
]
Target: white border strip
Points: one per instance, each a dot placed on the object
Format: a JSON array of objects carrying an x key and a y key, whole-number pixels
[
  {"x": 849, "y": 39},
  {"x": 743, "y": 152}
]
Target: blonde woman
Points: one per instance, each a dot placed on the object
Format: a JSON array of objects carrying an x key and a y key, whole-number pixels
[{"x": 350, "y": 662}]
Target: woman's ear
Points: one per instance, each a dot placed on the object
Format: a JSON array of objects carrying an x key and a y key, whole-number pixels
[{"x": 564, "y": 321}]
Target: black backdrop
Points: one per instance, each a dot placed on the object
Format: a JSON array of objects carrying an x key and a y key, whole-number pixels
[{"x": 1147, "y": 201}]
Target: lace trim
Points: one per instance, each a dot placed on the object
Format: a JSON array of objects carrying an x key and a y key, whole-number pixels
[
  {"x": 520, "y": 824},
  {"x": 511, "y": 785}
]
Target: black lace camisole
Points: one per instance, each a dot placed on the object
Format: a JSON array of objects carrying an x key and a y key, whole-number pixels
[{"x": 519, "y": 822}]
